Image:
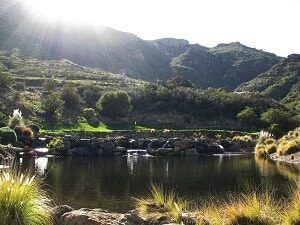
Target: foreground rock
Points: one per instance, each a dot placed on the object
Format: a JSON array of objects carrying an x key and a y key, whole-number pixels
[
  {"x": 99, "y": 217},
  {"x": 293, "y": 158}
]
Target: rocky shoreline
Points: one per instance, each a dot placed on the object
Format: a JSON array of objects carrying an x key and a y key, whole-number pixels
[
  {"x": 123, "y": 145},
  {"x": 293, "y": 158},
  {"x": 65, "y": 215}
]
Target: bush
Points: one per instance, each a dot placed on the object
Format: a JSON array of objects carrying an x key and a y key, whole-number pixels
[
  {"x": 245, "y": 141},
  {"x": 8, "y": 136},
  {"x": 57, "y": 145},
  {"x": 52, "y": 104},
  {"x": 16, "y": 119},
  {"x": 161, "y": 203},
  {"x": 114, "y": 104},
  {"x": 253, "y": 209},
  {"x": 71, "y": 98},
  {"x": 278, "y": 120},
  {"x": 289, "y": 143},
  {"x": 266, "y": 144},
  {"x": 22, "y": 202},
  {"x": 89, "y": 114},
  {"x": 6, "y": 79},
  {"x": 248, "y": 116},
  {"x": 35, "y": 128}
]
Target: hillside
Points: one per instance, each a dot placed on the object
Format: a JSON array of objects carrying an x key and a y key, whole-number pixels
[
  {"x": 226, "y": 65},
  {"x": 75, "y": 88},
  {"x": 281, "y": 82}
]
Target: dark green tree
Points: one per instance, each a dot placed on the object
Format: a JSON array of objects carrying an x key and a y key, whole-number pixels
[
  {"x": 6, "y": 80},
  {"x": 52, "y": 104},
  {"x": 248, "y": 116},
  {"x": 114, "y": 104},
  {"x": 72, "y": 100}
]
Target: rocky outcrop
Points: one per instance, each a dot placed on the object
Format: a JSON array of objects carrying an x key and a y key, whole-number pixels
[{"x": 99, "y": 217}]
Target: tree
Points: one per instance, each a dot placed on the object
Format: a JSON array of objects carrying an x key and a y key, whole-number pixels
[
  {"x": 52, "y": 104},
  {"x": 6, "y": 80},
  {"x": 278, "y": 118},
  {"x": 114, "y": 104},
  {"x": 248, "y": 116},
  {"x": 71, "y": 98},
  {"x": 91, "y": 95}
]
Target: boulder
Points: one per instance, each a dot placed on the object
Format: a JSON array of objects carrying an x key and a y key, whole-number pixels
[
  {"x": 58, "y": 211},
  {"x": 182, "y": 144},
  {"x": 79, "y": 151},
  {"x": 120, "y": 151},
  {"x": 93, "y": 217},
  {"x": 191, "y": 152}
]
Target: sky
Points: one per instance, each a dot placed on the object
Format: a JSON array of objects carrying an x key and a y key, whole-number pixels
[{"x": 270, "y": 25}]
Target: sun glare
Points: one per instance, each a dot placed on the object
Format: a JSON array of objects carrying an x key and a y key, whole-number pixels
[{"x": 67, "y": 10}]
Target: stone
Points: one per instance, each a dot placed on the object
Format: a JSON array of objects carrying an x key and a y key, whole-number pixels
[
  {"x": 92, "y": 217},
  {"x": 58, "y": 211},
  {"x": 79, "y": 151},
  {"x": 191, "y": 152}
]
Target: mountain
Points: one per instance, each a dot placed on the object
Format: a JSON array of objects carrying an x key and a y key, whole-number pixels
[
  {"x": 226, "y": 65},
  {"x": 281, "y": 82}
]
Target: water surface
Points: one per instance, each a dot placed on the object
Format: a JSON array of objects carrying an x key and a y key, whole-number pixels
[{"x": 110, "y": 183}]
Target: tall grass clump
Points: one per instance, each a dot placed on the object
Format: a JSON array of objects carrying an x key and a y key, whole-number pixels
[
  {"x": 22, "y": 202},
  {"x": 245, "y": 140},
  {"x": 292, "y": 214},
  {"x": 266, "y": 144},
  {"x": 289, "y": 143},
  {"x": 253, "y": 209},
  {"x": 16, "y": 119},
  {"x": 161, "y": 204}
]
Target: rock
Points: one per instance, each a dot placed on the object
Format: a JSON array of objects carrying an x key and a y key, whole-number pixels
[
  {"x": 92, "y": 217},
  {"x": 58, "y": 211},
  {"x": 133, "y": 219},
  {"x": 120, "y": 151},
  {"x": 183, "y": 144},
  {"x": 191, "y": 152},
  {"x": 103, "y": 152},
  {"x": 79, "y": 151}
]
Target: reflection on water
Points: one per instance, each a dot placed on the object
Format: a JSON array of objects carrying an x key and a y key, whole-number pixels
[{"x": 110, "y": 183}]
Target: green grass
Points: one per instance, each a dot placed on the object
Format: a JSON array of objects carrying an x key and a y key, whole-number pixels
[{"x": 22, "y": 202}]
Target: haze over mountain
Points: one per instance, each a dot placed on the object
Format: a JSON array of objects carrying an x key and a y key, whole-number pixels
[{"x": 226, "y": 65}]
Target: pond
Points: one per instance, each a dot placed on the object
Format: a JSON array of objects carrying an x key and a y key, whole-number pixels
[{"x": 110, "y": 183}]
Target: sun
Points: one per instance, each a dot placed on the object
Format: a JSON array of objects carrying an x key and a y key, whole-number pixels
[{"x": 67, "y": 10}]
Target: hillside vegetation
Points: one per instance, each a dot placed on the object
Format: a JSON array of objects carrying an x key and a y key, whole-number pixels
[
  {"x": 65, "y": 92},
  {"x": 226, "y": 65},
  {"x": 281, "y": 82}
]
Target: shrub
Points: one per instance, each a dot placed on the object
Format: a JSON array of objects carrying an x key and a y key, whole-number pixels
[
  {"x": 161, "y": 204},
  {"x": 27, "y": 132},
  {"x": 248, "y": 116},
  {"x": 253, "y": 209},
  {"x": 292, "y": 215},
  {"x": 52, "y": 104},
  {"x": 278, "y": 120},
  {"x": 6, "y": 79},
  {"x": 35, "y": 128},
  {"x": 114, "y": 104},
  {"x": 16, "y": 119},
  {"x": 289, "y": 143},
  {"x": 90, "y": 115},
  {"x": 22, "y": 202},
  {"x": 57, "y": 145},
  {"x": 244, "y": 141},
  {"x": 70, "y": 97},
  {"x": 8, "y": 136}
]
